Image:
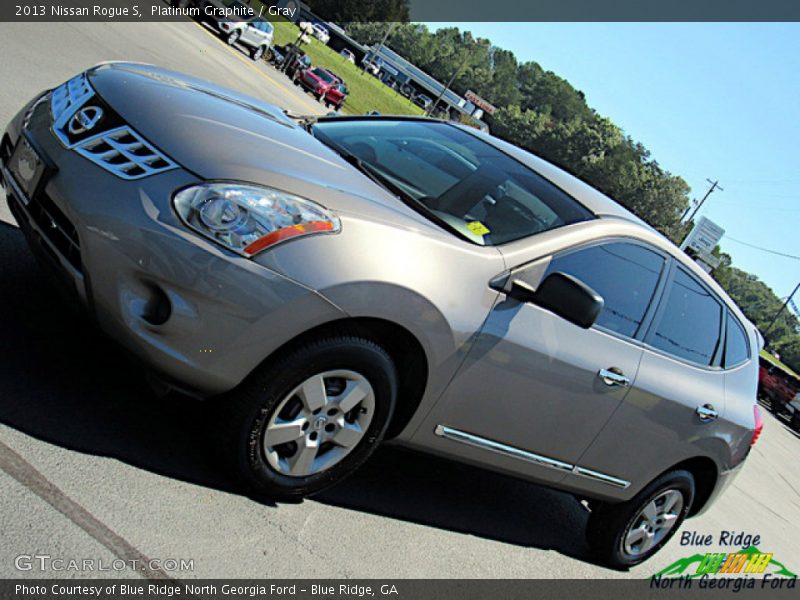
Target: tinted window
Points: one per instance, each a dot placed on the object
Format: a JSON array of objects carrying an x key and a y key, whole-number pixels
[
  {"x": 689, "y": 326},
  {"x": 322, "y": 74},
  {"x": 737, "y": 348},
  {"x": 625, "y": 275},
  {"x": 455, "y": 177}
]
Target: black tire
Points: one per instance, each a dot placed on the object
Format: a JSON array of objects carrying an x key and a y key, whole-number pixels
[
  {"x": 608, "y": 523},
  {"x": 257, "y": 53},
  {"x": 794, "y": 423},
  {"x": 232, "y": 37},
  {"x": 249, "y": 408}
]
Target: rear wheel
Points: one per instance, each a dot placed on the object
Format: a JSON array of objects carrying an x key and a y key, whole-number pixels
[
  {"x": 306, "y": 422},
  {"x": 794, "y": 423},
  {"x": 233, "y": 37},
  {"x": 626, "y": 534}
]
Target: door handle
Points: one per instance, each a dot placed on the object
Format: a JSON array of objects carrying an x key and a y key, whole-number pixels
[
  {"x": 613, "y": 376},
  {"x": 706, "y": 413}
]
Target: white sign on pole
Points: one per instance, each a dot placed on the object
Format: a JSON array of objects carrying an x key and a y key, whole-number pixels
[{"x": 705, "y": 235}]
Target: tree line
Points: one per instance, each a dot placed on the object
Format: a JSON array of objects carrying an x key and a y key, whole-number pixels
[{"x": 545, "y": 114}]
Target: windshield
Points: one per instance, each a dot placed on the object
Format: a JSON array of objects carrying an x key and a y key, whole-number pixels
[
  {"x": 322, "y": 74},
  {"x": 475, "y": 189}
]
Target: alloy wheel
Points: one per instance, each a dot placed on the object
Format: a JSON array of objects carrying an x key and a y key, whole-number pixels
[
  {"x": 653, "y": 523},
  {"x": 319, "y": 423}
]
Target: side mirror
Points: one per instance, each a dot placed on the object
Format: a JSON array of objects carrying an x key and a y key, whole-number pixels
[{"x": 563, "y": 295}]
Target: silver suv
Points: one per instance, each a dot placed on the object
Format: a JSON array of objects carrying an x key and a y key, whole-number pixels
[
  {"x": 255, "y": 33},
  {"x": 337, "y": 282}
]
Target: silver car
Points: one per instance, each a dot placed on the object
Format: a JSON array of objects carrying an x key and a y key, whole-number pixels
[
  {"x": 337, "y": 282},
  {"x": 256, "y": 34}
]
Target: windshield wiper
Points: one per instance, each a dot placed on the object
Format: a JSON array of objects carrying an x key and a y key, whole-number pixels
[
  {"x": 376, "y": 176},
  {"x": 367, "y": 169}
]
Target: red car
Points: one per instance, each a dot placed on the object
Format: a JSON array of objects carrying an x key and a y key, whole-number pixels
[
  {"x": 316, "y": 80},
  {"x": 335, "y": 95}
]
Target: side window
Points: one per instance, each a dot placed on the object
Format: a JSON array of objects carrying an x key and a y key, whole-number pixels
[
  {"x": 624, "y": 274},
  {"x": 737, "y": 348},
  {"x": 689, "y": 327}
]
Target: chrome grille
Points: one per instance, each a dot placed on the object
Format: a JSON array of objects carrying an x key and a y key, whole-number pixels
[
  {"x": 124, "y": 153},
  {"x": 118, "y": 149},
  {"x": 67, "y": 98}
]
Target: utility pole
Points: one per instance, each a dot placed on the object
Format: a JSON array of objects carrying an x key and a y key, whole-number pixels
[
  {"x": 781, "y": 309},
  {"x": 377, "y": 49},
  {"x": 714, "y": 186},
  {"x": 435, "y": 103}
]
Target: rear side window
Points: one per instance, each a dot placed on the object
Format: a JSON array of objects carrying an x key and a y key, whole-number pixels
[
  {"x": 624, "y": 274},
  {"x": 689, "y": 327},
  {"x": 737, "y": 348}
]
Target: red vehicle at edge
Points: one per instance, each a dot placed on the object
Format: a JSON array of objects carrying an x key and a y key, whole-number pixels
[
  {"x": 775, "y": 387},
  {"x": 316, "y": 80},
  {"x": 336, "y": 95}
]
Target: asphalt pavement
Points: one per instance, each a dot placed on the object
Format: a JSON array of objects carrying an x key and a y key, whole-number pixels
[{"x": 94, "y": 466}]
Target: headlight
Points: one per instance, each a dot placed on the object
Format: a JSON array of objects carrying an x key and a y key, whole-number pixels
[{"x": 248, "y": 219}]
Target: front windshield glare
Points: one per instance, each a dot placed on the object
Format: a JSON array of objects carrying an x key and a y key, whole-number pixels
[
  {"x": 483, "y": 194},
  {"x": 324, "y": 75}
]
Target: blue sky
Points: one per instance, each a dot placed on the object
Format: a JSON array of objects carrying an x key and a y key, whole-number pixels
[{"x": 718, "y": 101}]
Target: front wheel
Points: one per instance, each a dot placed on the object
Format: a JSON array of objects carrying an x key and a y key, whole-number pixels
[
  {"x": 304, "y": 423},
  {"x": 257, "y": 53},
  {"x": 626, "y": 534}
]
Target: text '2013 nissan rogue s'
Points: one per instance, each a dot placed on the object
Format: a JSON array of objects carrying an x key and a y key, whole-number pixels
[{"x": 339, "y": 281}]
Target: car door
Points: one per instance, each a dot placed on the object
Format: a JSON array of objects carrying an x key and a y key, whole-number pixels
[
  {"x": 250, "y": 33},
  {"x": 260, "y": 33},
  {"x": 673, "y": 411},
  {"x": 535, "y": 389}
]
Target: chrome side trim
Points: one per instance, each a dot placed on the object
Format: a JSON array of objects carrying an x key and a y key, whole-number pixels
[
  {"x": 602, "y": 477},
  {"x": 537, "y": 459},
  {"x": 511, "y": 451}
]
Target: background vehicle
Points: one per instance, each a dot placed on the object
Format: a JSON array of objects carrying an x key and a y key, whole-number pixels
[
  {"x": 316, "y": 80},
  {"x": 348, "y": 54},
  {"x": 371, "y": 67},
  {"x": 336, "y": 95},
  {"x": 398, "y": 277},
  {"x": 294, "y": 61},
  {"x": 776, "y": 388},
  {"x": 790, "y": 413},
  {"x": 256, "y": 34},
  {"x": 422, "y": 100},
  {"x": 321, "y": 33}
]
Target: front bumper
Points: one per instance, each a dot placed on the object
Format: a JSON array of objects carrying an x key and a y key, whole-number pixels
[
  {"x": 201, "y": 317},
  {"x": 310, "y": 86}
]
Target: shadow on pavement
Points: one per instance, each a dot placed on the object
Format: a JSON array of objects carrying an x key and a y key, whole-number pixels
[{"x": 64, "y": 382}]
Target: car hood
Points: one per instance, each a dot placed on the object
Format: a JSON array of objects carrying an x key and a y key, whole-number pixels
[{"x": 220, "y": 134}]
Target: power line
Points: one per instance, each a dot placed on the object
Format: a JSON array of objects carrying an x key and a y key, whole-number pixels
[
  {"x": 792, "y": 256},
  {"x": 714, "y": 186}
]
